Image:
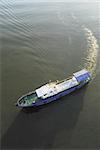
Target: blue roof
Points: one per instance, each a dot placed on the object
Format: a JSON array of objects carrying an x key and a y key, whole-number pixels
[{"x": 83, "y": 77}]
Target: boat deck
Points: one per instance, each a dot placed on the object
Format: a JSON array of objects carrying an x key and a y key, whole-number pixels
[
  {"x": 67, "y": 84},
  {"x": 53, "y": 88}
]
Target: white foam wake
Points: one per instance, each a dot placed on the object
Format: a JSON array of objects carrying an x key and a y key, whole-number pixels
[
  {"x": 92, "y": 46},
  {"x": 92, "y": 50}
]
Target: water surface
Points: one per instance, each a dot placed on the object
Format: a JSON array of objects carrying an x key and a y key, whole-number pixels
[{"x": 42, "y": 42}]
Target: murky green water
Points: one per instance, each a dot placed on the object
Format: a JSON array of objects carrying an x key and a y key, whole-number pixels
[{"x": 42, "y": 42}]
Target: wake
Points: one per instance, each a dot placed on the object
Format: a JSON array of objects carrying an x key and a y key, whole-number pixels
[
  {"x": 92, "y": 51},
  {"x": 92, "y": 46}
]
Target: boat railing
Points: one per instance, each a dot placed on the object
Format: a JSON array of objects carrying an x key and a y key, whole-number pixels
[{"x": 57, "y": 82}]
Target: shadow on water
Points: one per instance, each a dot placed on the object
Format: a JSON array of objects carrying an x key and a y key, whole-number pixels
[{"x": 40, "y": 128}]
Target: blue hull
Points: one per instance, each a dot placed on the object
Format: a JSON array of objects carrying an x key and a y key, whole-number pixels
[
  {"x": 43, "y": 95},
  {"x": 55, "y": 97},
  {"x": 59, "y": 95}
]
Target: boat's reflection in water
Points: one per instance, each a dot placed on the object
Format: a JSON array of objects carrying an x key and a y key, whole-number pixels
[{"x": 47, "y": 126}]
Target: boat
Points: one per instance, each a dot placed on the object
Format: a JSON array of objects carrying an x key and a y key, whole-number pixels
[{"x": 53, "y": 91}]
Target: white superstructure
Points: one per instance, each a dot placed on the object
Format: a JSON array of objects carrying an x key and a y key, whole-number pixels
[{"x": 53, "y": 88}]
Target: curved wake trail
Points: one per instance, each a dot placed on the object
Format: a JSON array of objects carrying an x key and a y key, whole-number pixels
[
  {"x": 92, "y": 46},
  {"x": 92, "y": 51}
]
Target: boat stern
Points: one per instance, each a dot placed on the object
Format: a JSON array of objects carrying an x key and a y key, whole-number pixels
[{"x": 83, "y": 76}]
